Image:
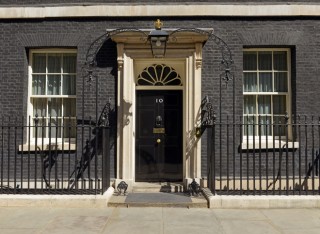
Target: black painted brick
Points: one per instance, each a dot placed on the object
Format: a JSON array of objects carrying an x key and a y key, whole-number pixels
[{"x": 301, "y": 35}]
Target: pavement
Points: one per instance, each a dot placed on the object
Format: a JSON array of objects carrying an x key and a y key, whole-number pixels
[{"x": 145, "y": 220}]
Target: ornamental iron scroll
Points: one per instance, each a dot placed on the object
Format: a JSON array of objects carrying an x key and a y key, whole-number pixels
[
  {"x": 208, "y": 116},
  {"x": 226, "y": 55},
  {"x": 104, "y": 119},
  {"x": 159, "y": 75},
  {"x": 89, "y": 68}
]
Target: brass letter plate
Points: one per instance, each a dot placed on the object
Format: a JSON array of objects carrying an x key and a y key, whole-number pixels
[{"x": 158, "y": 130}]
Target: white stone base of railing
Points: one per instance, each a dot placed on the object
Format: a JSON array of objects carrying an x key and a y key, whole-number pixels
[
  {"x": 256, "y": 202},
  {"x": 70, "y": 201}
]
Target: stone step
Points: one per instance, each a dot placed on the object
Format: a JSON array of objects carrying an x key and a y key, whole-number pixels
[
  {"x": 177, "y": 188},
  {"x": 157, "y": 199}
]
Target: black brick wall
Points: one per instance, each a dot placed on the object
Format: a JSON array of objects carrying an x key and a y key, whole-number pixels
[{"x": 299, "y": 34}]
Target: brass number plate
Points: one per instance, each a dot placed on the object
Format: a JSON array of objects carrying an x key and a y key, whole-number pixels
[{"x": 158, "y": 130}]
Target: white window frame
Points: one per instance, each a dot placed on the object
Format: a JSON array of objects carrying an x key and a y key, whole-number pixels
[
  {"x": 268, "y": 140},
  {"x": 57, "y": 142}
]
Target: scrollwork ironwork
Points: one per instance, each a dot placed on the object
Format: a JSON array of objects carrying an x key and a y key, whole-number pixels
[
  {"x": 104, "y": 119},
  {"x": 226, "y": 55},
  {"x": 207, "y": 112}
]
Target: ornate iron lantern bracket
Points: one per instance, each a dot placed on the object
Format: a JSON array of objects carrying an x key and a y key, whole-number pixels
[
  {"x": 91, "y": 63},
  {"x": 226, "y": 56}
]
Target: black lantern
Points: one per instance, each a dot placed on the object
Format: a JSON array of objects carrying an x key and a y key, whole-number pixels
[{"x": 158, "y": 40}]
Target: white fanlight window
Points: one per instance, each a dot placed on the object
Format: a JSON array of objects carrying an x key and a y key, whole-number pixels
[{"x": 52, "y": 92}]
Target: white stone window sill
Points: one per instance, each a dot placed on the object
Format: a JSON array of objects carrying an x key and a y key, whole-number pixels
[
  {"x": 250, "y": 145},
  {"x": 59, "y": 146}
]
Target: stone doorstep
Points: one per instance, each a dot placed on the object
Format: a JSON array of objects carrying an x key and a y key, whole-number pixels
[
  {"x": 157, "y": 195},
  {"x": 120, "y": 201},
  {"x": 142, "y": 187}
]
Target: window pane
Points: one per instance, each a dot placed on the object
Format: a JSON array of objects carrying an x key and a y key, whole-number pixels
[
  {"x": 69, "y": 63},
  {"x": 39, "y": 63},
  {"x": 39, "y": 106},
  {"x": 279, "y": 105},
  {"x": 249, "y": 61},
  {"x": 265, "y": 126},
  {"x": 280, "y": 82},
  {"x": 55, "y": 129},
  {"x": 41, "y": 130},
  {"x": 264, "y": 104},
  {"x": 265, "y": 82},
  {"x": 265, "y": 60},
  {"x": 250, "y": 82},
  {"x": 52, "y": 81},
  {"x": 38, "y": 85},
  {"x": 69, "y": 85},
  {"x": 54, "y": 84},
  {"x": 69, "y": 128},
  {"x": 249, "y": 104},
  {"x": 69, "y": 107},
  {"x": 55, "y": 106},
  {"x": 280, "y": 60},
  {"x": 280, "y": 126},
  {"x": 248, "y": 125},
  {"x": 54, "y": 63}
]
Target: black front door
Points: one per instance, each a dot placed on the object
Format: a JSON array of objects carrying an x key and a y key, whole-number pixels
[{"x": 159, "y": 135}]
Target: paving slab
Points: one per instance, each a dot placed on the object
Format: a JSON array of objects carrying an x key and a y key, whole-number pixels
[
  {"x": 27, "y": 218},
  {"x": 76, "y": 225},
  {"x": 194, "y": 216},
  {"x": 19, "y": 231},
  {"x": 137, "y": 213},
  {"x": 137, "y": 226},
  {"x": 293, "y": 218},
  {"x": 239, "y": 214},
  {"x": 191, "y": 229},
  {"x": 82, "y": 211},
  {"x": 156, "y": 220},
  {"x": 299, "y": 231},
  {"x": 248, "y": 227}
]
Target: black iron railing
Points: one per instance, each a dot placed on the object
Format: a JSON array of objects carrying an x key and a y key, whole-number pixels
[
  {"x": 261, "y": 158},
  {"x": 54, "y": 155}
]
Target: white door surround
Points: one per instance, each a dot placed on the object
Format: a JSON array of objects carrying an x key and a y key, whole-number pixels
[{"x": 184, "y": 54}]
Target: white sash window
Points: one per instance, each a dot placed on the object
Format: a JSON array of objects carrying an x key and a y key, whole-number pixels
[
  {"x": 52, "y": 92},
  {"x": 266, "y": 90}
]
